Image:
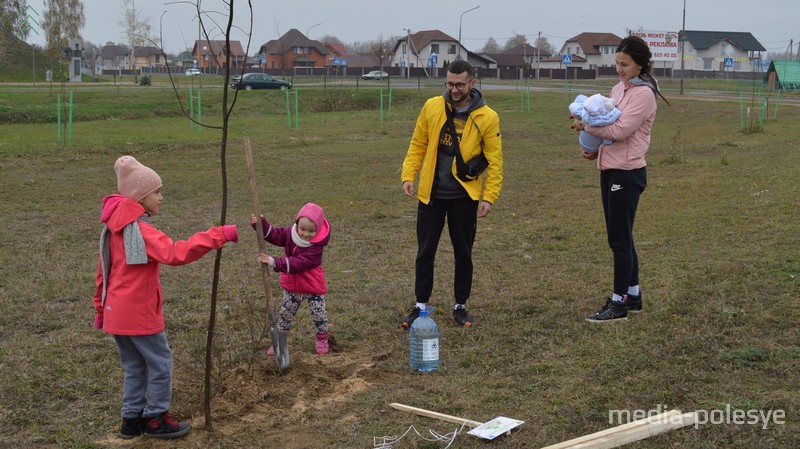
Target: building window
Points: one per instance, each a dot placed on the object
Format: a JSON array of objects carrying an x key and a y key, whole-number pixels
[
  {"x": 708, "y": 63},
  {"x": 435, "y": 48},
  {"x": 569, "y": 50},
  {"x": 404, "y": 48},
  {"x": 451, "y": 50},
  {"x": 298, "y": 50}
]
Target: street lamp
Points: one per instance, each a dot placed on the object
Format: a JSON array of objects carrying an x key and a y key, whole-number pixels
[
  {"x": 309, "y": 29},
  {"x": 458, "y": 57}
]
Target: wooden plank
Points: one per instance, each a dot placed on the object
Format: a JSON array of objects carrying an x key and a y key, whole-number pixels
[
  {"x": 449, "y": 418},
  {"x": 630, "y": 432}
]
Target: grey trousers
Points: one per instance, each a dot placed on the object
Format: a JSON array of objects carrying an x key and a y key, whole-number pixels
[{"x": 147, "y": 363}]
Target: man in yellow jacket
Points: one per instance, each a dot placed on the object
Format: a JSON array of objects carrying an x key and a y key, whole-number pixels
[{"x": 441, "y": 192}]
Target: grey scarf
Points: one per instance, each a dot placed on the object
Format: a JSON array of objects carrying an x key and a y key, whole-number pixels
[{"x": 135, "y": 251}]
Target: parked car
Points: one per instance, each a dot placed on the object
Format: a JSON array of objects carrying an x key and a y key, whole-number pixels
[
  {"x": 193, "y": 72},
  {"x": 375, "y": 75},
  {"x": 258, "y": 81}
]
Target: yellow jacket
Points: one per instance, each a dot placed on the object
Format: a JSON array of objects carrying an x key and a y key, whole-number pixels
[{"x": 482, "y": 129}]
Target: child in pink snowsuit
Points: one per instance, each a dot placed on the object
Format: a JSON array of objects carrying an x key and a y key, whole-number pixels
[{"x": 301, "y": 273}]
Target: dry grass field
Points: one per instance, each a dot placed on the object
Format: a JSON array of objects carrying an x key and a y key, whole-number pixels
[{"x": 717, "y": 233}]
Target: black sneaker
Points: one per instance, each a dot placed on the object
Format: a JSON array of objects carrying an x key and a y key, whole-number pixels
[
  {"x": 611, "y": 311},
  {"x": 634, "y": 303},
  {"x": 462, "y": 317},
  {"x": 164, "y": 426},
  {"x": 413, "y": 314},
  {"x": 131, "y": 427}
]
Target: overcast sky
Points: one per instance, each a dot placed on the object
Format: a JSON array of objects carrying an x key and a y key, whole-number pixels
[{"x": 772, "y": 22}]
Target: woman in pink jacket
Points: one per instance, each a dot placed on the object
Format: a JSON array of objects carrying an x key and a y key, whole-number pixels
[
  {"x": 129, "y": 300},
  {"x": 302, "y": 276},
  {"x": 623, "y": 176}
]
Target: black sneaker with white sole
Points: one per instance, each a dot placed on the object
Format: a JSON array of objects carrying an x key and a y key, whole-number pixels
[
  {"x": 462, "y": 317},
  {"x": 611, "y": 311},
  {"x": 413, "y": 314}
]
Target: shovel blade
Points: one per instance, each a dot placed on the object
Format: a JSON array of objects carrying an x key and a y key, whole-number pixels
[{"x": 281, "y": 348}]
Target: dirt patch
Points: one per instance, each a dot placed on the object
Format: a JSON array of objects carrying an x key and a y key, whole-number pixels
[{"x": 261, "y": 401}]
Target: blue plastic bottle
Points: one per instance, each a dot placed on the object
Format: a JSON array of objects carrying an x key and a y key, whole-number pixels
[{"x": 424, "y": 342}]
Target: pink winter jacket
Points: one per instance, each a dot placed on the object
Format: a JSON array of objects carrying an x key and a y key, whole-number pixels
[
  {"x": 134, "y": 301},
  {"x": 301, "y": 266},
  {"x": 631, "y": 132}
]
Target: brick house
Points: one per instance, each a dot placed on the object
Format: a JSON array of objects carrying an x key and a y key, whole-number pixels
[
  {"x": 294, "y": 50},
  {"x": 211, "y": 54}
]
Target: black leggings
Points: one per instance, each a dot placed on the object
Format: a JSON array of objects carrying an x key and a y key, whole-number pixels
[
  {"x": 462, "y": 221},
  {"x": 620, "y": 190}
]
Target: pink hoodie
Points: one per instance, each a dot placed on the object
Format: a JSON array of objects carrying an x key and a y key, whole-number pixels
[{"x": 631, "y": 132}]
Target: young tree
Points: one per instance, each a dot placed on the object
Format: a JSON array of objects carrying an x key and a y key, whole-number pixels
[
  {"x": 62, "y": 20},
  {"x": 491, "y": 46}
]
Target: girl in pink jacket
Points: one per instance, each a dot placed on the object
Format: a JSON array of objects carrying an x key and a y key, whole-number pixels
[
  {"x": 129, "y": 301},
  {"x": 300, "y": 268}
]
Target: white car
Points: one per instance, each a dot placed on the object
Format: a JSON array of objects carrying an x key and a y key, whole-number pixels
[
  {"x": 193, "y": 72},
  {"x": 375, "y": 75}
]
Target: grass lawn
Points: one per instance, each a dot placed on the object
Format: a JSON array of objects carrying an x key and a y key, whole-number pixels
[{"x": 717, "y": 233}]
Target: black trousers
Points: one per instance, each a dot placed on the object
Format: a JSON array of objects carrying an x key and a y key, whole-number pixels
[
  {"x": 462, "y": 222},
  {"x": 620, "y": 190}
]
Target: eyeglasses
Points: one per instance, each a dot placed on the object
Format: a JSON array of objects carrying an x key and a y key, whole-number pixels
[{"x": 459, "y": 86}]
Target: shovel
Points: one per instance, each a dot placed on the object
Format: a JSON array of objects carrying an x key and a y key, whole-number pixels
[{"x": 278, "y": 338}]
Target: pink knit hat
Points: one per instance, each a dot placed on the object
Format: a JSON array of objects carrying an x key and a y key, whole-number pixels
[{"x": 134, "y": 180}]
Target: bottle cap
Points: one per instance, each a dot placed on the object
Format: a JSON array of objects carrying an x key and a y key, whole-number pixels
[{"x": 427, "y": 311}]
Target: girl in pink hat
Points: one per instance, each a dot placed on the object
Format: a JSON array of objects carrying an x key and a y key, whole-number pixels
[
  {"x": 129, "y": 299},
  {"x": 300, "y": 268}
]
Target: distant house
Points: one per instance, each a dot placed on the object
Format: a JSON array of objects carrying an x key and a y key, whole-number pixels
[
  {"x": 481, "y": 60},
  {"x": 588, "y": 50},
  {"x": 783, "y": 74},
  {"x": 294, "y": 51},
  {"x": 212, "y": 54},
  {"x": 416, "y": 49},
  {"x": 113, "y": 57},
  {"x": 148, "y": 57},
  {"x": 518, "y": 57},
  {"x": 707, "y": 50}
]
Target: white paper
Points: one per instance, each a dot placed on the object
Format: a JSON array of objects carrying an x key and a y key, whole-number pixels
[{"x": 494, "y": 428}]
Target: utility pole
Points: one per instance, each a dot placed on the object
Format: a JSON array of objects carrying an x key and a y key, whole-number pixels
[
  {"x": 408, "y": 51},
  {"x": 683, "y": 45},
  {"x": 538, "y": 54}
]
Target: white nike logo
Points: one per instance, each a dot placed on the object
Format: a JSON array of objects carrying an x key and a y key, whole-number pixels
[{"x": 615, "y": 187}]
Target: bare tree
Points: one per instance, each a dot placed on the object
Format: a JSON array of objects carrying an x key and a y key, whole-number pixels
[
  {"x": 136, "y": 28},
  {"x": 61, "y": 20},
  {"x": 203, "y": 17},
  {"x": 381, "y": 49}
]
